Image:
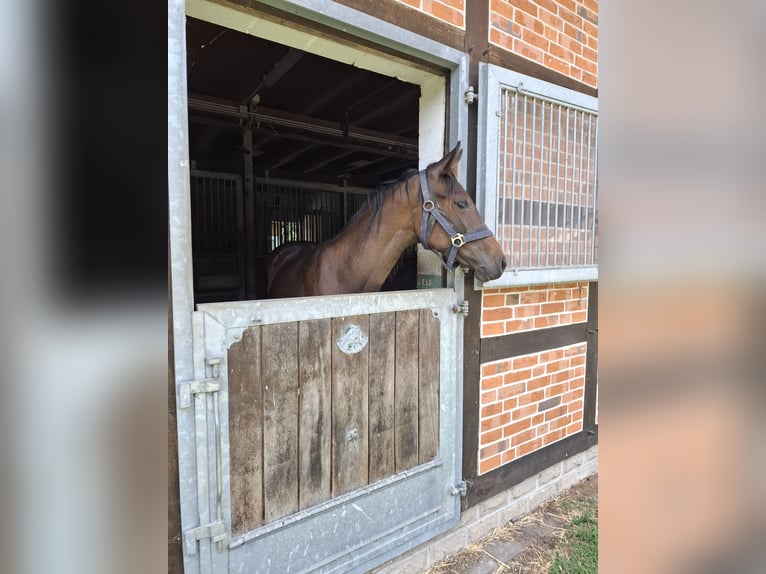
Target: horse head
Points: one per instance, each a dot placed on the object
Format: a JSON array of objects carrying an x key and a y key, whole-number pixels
[{"x": 451, "y": 225}]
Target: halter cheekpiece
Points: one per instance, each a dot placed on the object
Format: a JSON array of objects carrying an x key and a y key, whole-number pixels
[{"x": 432, "y": 214}]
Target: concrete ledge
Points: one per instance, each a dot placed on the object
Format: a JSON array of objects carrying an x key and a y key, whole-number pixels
[{"x": 480, "y": 520}]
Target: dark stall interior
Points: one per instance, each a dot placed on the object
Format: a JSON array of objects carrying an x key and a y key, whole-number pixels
[{"x": 284, "y": 145}]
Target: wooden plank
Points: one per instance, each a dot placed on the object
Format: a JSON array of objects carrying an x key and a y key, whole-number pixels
[
  {"x": 381, "y": 395},
  {"x": 428, "y": 381},
  {"x": 279, "y": 369},
  {"x": 349, "y": 409},
  {"x": 406, "y": 391},
  {"x": 245, "y": 432},
  {"x": 315, "y": 378}
]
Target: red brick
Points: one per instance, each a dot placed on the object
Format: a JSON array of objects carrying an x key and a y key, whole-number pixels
[
  {"x": 555, "y": 413},
  {"x": 523, "y": 411},
  {"x": 488, "y": 397},
  {"x": 490, "y": 369},
  {"x": 551, "y": 34},
  {"x": 548, "y": 308},
  {"x": 525, "y": 361},
  {"x": 512, "y": 377},
  {"x": 488, "y": 383},
  {"x": 489, "y": 464},
  {"x": 501, "y": 8},
  {"x": 531, "y": 397},
  {"x": 490, "y": 410},
  {"x": 548, "y": 5},
  {"x": 527, "y": 6},
  {"x": 571, "y": 17},
  {"x": 589, "y": 79},
  {"x": 533, "y": 297},
  {"x": 556, "y": 64},
  {"x": 577, "y": 383},
  {"x": 589, "y": 28},
  {"x": 538, "y": 383},
  {"x": 518, "y": 325},
  {"x": 491, "y": 436},
  {"x": 572, "y": 395},
  {"x": 457, "y": 4},
  {"x": 497, "y": 314},
  {"x": 508, "y": 455},
  {"x": 488, "y": 329},
  {"x": 556, "y": 390},
  {"x": 493, "y": 301},
  {"x": 509, "y": 391},
  {"x": 529, "y": 447},
  {"x": 494, "y": 422},
  {"x": 556, "y": 366},
  {"x": 568, "y": 4},
  {"x": 446, "y": 13},
  {"x": 538, "y": 370},
  {"x": 554, "y": 436},
  {"x": 575, "y": 350},
  {"x": 517, "y": 427},
  {"x": 526, "y": 311},
  {"x": 585, "y": 65},
  {"x": 562, "y": 54},
  {"x": 574, "y": 406},
  {"x": 560, "y": 422},
  {"x": 510, "y": 404},
  {"x": 538, "y": 419},
  {"x": 521, "y": 437},
  {"x": 574, "y": 428},
  {"x": 541, "y": 322},
  {"x": 562, "y": 376}
]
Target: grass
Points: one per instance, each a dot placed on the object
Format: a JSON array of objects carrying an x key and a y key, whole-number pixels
[{"x": 578, "y": 551}]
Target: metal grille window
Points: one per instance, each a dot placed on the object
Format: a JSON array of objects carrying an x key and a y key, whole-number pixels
[{"x": 539, "y": 196}]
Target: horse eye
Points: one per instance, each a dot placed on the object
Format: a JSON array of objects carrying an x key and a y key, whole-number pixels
[{"x": 462, "y": 204}]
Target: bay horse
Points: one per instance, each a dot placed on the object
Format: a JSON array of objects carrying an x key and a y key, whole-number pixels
[{"x": 430, "y": 206}]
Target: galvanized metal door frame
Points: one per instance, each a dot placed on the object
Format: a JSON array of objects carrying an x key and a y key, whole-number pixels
[
  {"x": 189, "y": 365},
  {"x": 426, "y": 495}
]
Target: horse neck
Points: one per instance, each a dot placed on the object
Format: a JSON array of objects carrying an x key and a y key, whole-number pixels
[{"x": 370, "y": 249}]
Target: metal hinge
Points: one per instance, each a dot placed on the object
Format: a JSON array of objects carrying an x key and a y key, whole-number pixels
[
  {"x": 189, "y": 388},
  {"x": 213, "y": 530},
  {"x": 461, "y": 308},
  {"x": 460, "y": 488}
]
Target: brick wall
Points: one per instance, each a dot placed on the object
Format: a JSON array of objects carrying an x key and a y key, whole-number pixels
[
  {"x": 529, "y": 402},
  {"x": 559, "y": 34},
  {"x": 449, "y": 11},
  {"x": 516, "y": 309}
]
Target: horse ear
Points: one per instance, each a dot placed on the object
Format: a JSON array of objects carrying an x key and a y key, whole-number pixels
[{"x": 447, "y": 164}]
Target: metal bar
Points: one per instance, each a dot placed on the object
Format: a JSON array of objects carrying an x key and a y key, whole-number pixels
[
  {"x": 540, "y": 182},
  {"x": 503, "y": 222},
  {"x": 531, "y": 181},
  {"x": 571, "y": 187},
  {"x": 548, "y": 196},
  {"x": 558, "y": 181},
  {"x": 523, "y": 183},
  {"x": 579, "y": 192},
  {"x": 550, "y": 99},
  {"x": 513, "y": 185},
  {"x": 566, "y": 185},
  {"x": 595, "y": 194}
]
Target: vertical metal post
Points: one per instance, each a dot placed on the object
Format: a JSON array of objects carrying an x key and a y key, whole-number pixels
[
  {"x": 513, "y": 186},
  {"x": 540, "y": 182},
  {"x": 502, "y": 223},
  {"x": 548, "y": 196},
  {"x": 249, "y": 207},
  {"x": 580, "y": 258},
  {"x": 523, "y": 182},
  {"x": 531, "y": 181},
  {"x": 595, "y": 195}
]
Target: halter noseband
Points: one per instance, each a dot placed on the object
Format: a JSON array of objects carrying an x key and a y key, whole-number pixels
[{"x": 431, "y": 214}]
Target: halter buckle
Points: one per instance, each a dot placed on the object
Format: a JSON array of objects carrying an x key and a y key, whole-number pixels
[
  {"x": 458, "y": 240},
  {"x": 428, "y": 205}
]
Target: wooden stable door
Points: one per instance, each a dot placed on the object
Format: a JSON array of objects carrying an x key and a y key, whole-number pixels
[{"x": 329, "y": 430}]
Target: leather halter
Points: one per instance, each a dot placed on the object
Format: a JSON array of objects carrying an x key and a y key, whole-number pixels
[{"x": 432, "y": 214}]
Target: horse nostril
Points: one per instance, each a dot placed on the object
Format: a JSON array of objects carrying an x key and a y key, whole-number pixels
[{"x": 502, "y": 263}]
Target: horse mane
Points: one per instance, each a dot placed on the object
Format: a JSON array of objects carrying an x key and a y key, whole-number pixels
[{"x": 376, "y": 198}]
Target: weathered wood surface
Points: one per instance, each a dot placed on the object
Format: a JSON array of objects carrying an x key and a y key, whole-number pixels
[
  {"x": 349, "y": 410},
  {"x": 309, "y": 422},
  {"x": 246, "y": 432},
  {"x": 428, "y": 395},
  {"x": 315, "y": 379},
  {"x": 381, "y": 395},
  {"x": 279, "y": 369},
  {"x": 406, "y": 409}
]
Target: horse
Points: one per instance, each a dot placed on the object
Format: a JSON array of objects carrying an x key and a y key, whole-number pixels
[{"x": 430, "y": 206}]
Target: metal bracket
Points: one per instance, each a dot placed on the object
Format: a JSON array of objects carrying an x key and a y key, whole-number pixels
[
  {"x": 461, "y": 308},
  {"x": 189, "y": 388},
  {"x": 216, "y": 531},
  {"x": 460, "y": 488},
  {"x": 469, "y": 96}
]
